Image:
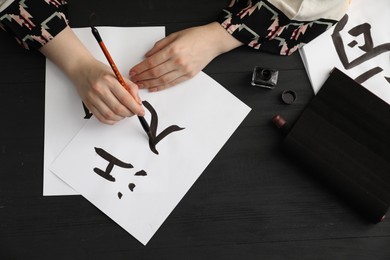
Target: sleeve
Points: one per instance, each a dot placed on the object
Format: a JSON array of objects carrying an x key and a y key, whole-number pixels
[
  {"x": 33, "y": 23},
  {"x": 274, "y": 26}
]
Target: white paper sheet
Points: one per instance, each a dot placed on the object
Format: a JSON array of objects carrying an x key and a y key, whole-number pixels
[
  {"x": 209, "y": 114},
  {"x": 64, "y": 113},
  {"x": 369, "y": 21}
]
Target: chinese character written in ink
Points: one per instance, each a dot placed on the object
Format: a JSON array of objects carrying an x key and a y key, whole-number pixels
[
  {"x": 113, "y": 161},
  {"x": 368, "y": 47},
  {"x": 153, "y": 141}
]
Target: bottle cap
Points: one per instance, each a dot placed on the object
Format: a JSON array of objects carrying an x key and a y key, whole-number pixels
[{"x": 289, "y": 96}]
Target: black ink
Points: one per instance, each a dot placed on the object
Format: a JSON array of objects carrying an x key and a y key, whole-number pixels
[
  {"x": 153, "y": 128},
  {"x": 388, "y": 79},
  {"x": 368, "y": 47},
  {"x": 131, "y": 186},
  {"x": 152, "y": 145},
  {"x": 88, "y": 114},
  {"x": 364, "y": 29},
  {"x": 352, "y": 44},
  {"x": 105, "y": 174},
  {"x": 140, "y": 173},
  {"x": 368, "y": 74},
  {"x": 112, "y": 161}
]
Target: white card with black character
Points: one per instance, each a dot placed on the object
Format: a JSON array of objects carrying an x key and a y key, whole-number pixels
[
  {"x": 358, "y": 45},
  {"x": 137, "y": 183}
]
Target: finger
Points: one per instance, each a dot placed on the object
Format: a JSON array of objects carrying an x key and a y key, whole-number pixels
[
  {"x": 161, "y": 44},
  {"x": 97, "y": 113},
  {"x": 149, "y": 63},
  {"x": 129, "y": 101},
  {"x": 154, "y": 73},
  {"x": 106, "y": 101},
  {"x": 108, "y": 112},
  {"x": 157, "y": 55},
  {"x": 133, "y": 88},
  {"x": 163, "y": 80},
  {"x": 170, "y": 84}
]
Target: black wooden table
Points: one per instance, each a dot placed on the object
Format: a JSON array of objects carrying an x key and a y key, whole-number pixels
[{"x": 252, "y": 201}]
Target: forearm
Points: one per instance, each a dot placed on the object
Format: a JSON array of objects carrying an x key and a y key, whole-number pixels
[
  {"x": 220, "y": 39},
  {"x": 67, "y": 52}
]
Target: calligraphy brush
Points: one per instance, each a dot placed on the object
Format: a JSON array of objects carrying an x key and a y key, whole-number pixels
[{"x": 95, "y": 33}]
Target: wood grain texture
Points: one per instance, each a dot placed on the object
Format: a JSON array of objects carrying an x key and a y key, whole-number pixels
[{"x": 252, "y": 202}]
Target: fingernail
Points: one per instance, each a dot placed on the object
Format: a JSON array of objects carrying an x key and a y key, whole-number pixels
[
  {"x": 139, "y": 100},
  {"x": 153, "y": 90},
  {"x": 140, "y": 86},
  {"x": 132, "y": 73}
]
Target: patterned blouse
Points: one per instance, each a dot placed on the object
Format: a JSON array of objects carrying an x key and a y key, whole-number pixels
[
  {"x": 34, "y": 22},
  {"x": 280, "y": 26},
  {"x": 276, "y": 26}
]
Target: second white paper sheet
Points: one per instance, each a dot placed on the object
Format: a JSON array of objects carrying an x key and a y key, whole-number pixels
[
  {"x": 359, "y": 46},
  {"x": 143, "y": 188}
]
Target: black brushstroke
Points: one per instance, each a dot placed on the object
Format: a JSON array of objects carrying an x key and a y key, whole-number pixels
[
  {"x": 112, "y": 161},
  {"x": 105, "y": 174},
  {"x": 388, "y": 79},
  {"x": 368, "y": 74},
  {"x": 152, "y": 145},
  {"x": 141, "y": 173},
  {"x": 368, "y": 47},
  {"x": 352, "y": 43},
  {"x": 364, "y": 29},
  {"x": 120, "y": 195},
  {"x": 131, "y": 186},
  {"x": 88, "y": 114},
  {"x": 154, "y": 139}
]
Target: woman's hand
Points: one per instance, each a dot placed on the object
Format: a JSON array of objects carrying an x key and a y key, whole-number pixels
[
  {"x": 96, "y": 83},
  {"x": 102, "y": 93},
  {"x": 181, "y": 55}
]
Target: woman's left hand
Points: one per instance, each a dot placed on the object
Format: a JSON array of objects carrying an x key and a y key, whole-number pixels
[{"x": 181, "y": 55}]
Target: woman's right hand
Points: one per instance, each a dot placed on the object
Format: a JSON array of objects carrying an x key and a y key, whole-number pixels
[
  {"x": 95, "y": 81},
  {"x": 102, "y": 93}
]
